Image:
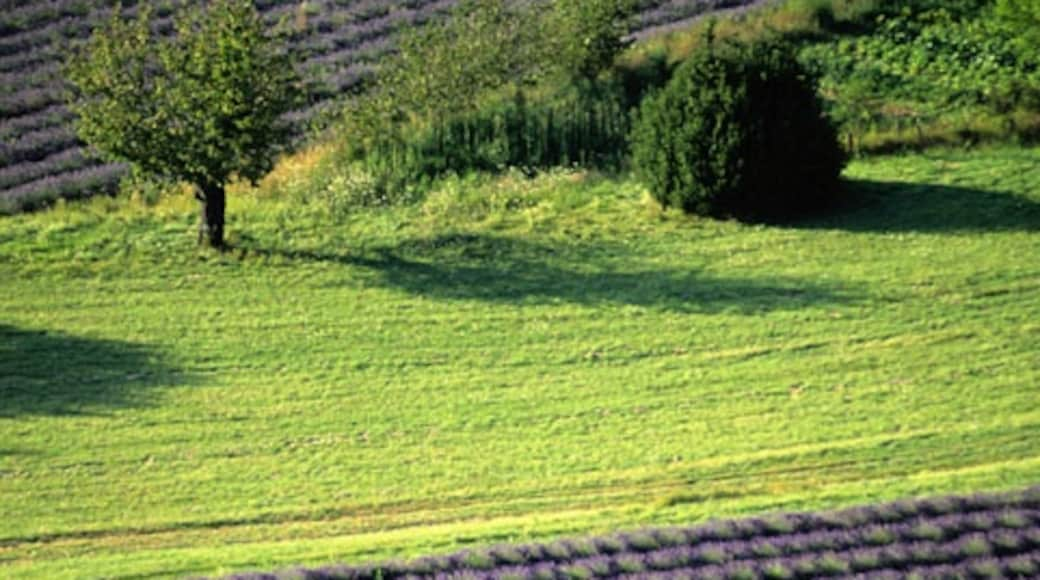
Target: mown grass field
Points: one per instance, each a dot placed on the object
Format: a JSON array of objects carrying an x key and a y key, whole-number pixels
[{"x": 509, "y": 360}]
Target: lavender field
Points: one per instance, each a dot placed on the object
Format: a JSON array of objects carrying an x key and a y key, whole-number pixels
[
  {"x": 340, "y": 42},
  {"x": 978, "y": 536}
]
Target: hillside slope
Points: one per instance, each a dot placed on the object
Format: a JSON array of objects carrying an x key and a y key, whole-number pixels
[{"x": 509, "y": 360}]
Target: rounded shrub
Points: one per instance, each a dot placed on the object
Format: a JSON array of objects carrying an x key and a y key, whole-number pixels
[{"x": 740, "y": 132}]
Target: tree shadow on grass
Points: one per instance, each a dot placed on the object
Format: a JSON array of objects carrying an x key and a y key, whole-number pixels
[
  {"x": 501, "y": 269},
  {"x": 891, "y": 206},
  {"x": 49, "y": 373}
]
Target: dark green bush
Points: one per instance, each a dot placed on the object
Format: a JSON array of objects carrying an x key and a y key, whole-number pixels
[{"x": 739, "y": 131}]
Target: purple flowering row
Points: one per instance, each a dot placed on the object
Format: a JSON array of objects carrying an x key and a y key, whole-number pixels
[
  {"x": 37, "y": 145},
  {"x": 998, "y": 533},
  {"x": 13, "y": 128},
  {"x": 762, "y": 555},
  {"x": 98, "y": 179},
  {"x": 67, "y": 160},
  {"x": 674, "y": 10}
]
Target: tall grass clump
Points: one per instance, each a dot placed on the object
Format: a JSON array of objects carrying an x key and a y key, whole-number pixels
[
  {"x": 496, "y": 85},
  {"x": 739, "y": 131},
  {"x": 570, "y": 130}
]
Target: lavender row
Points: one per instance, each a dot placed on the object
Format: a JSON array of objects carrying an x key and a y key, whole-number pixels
[
  {"x": 65, "y": 161},
  {"x": 675, "y": 16},
  {"x": 37, "y": 145},
  {"x": 11, "y": 82},
  {"x": 13, "y": 128},
  {"x": 1013, "y": 556},
  {"x": 1023, "y": 566},
  {"x": 762, "y": 556},
  {"x": 642, "y": 552},
  {"x": 673, "y": 10},
  {"x": 98, "y": 179},
  {"x": 30, "y": 15},
  {"x": 900, "y": 535},
  {"x": 323, "y": 36}
]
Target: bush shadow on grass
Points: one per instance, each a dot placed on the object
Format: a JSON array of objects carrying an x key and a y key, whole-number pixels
[
  {"x": 509, "y": 270},
  {"x": 51, "y": 373},
  {"x": 899, "y": 207}
]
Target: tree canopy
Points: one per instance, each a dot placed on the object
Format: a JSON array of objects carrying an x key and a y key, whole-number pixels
[{"x": 202, "y": 105}]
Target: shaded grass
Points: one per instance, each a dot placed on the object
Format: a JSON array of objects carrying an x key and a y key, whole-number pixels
[
  {"x": 512, "y": 270},
  {"x": 898, "y": 206},
  {"x": 52, "y": 373},
  {"x": 515, "y": 360}
]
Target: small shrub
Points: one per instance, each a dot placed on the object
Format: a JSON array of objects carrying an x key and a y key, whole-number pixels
[
  {"x": 805, "y": 567},
  {"x": 926, "y": 531},
  {"x": 926, "y": 554},
  {"x": 831, "y": 565},
  {"x": 879, "y": 537},
  {"x": 764, "y": 550},
  {"x": 609, "y": 545},
  {"x": 863, "y": 560},
  {"x": 577, "y": 572},
  {"x": 671, "y": 537},
  {"x": 1022, "y": 567},
  {"x": 979, "y": 522},
  {"x": 667, "y": 560},
  {"x": 558, "y": 551},
  {"x": 479, "y": 560},
  {"x": 1006, "y": 542},
  {"x": 721, "y": 531},
  {"x": 508, "y": 555},
  {"x": 778, "y": 525},
  {"x": 939, "y": 506},
  {"x": 1012, "y": 520},
  {"x": 975, "y": 547},
  {"x": 777, "y": 572},
  {"x": 739, "y": 131},
  {"x": 631, "y": 564},
  {"x": 985, "y": 570},
  {"x": 600, "y": 566},
  {"x": 710, "y": 555},
  {"x": 643, "y": 542},
  {"x": 741, "y": 572},
  {"x": 583, "y": 548}
]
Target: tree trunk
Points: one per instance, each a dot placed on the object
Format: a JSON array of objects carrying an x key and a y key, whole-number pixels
[{"x": 211, "y": 219}]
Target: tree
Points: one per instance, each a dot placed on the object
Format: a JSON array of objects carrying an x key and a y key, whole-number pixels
[
  {"x": 202, "y": 106},
  {"x": 589, "y": 34},
  {"x": 449, "y": 66}
]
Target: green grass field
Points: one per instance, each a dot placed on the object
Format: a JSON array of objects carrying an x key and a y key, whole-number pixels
[{"x": 509, "y": 360}]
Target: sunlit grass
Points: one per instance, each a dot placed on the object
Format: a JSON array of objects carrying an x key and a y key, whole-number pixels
[{"x": 507, "y": 360}]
